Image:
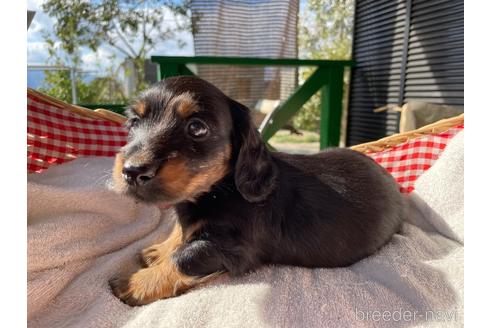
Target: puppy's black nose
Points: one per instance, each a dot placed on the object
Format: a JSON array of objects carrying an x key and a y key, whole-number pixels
[{"x": 137, "y": 175}]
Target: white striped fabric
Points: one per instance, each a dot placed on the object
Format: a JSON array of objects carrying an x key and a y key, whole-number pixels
[{"x": 247, "y": 28}]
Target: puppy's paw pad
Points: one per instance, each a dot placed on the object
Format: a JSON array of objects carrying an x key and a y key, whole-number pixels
[{"x": 149, "y": 256}]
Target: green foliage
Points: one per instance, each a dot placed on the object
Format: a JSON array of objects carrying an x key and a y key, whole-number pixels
[
  {"x": 99, "y": 90},
  {"x": 58, "y": 85},
  {"x": 306, "y": 137},
  {"x": 130, "y": 27},
  {"x": 325, "y": 32}
]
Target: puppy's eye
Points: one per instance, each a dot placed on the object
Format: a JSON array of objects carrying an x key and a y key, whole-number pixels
[
  {"x": 197, "y": 129},
  {"x": 131, "y": 122}
]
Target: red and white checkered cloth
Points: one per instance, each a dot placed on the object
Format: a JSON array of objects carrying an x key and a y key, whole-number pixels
[
  {"x": 407, "y": 161},
  {"x": 55, "y": 135}
]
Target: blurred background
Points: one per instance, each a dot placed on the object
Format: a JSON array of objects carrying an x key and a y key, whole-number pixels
[
  {"x": 98, "y": 52},
  {"x": 408, "y": 56}
]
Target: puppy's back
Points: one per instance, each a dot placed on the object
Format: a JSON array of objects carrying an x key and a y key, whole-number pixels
[{"x": 346, "y": 206}]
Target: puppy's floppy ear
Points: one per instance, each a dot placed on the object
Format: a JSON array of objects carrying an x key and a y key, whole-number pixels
[{"x": 255, "y": 172}]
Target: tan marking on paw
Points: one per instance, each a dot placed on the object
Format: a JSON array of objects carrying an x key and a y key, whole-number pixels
[
  {"x": 151, "y": 284},
  {"x": 161, "y": 279},
  {"x": 156, "y": 254}
]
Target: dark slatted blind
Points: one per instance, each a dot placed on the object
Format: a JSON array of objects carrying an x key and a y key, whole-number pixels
[
  {"x": 435, "y": 69},
  {"x": 405, "y": 50}
]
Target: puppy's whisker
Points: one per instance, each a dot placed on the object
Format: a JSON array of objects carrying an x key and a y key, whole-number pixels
[{"x": 106, "y": 177}]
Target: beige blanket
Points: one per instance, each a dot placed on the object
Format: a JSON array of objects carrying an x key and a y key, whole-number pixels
[{"x": 80, "y": 234}]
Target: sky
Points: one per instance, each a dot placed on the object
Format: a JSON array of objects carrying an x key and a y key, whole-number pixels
[{"x": 95, "y": 63}]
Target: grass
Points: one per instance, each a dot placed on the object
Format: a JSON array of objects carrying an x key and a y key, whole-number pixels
[{"x": 284, "y": 136}]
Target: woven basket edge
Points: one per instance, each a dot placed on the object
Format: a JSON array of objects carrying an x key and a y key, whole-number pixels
[
  {"x": 78, "y": 110},
  {"x": 396, "y": 139}
]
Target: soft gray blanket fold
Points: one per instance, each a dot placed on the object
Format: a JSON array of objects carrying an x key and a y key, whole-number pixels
[{"x": 80, "y": 234}]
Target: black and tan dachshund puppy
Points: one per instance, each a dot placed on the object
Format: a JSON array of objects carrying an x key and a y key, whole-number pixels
[{"x": 239, "y": 205}]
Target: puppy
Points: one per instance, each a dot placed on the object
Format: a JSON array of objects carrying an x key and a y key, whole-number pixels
[{"x": 239, "y": 205}]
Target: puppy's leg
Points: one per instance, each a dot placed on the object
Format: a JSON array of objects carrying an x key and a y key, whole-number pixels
[
  {"x": 147, "y": 285},
  {"x": 157, "y": 281},
  {"x": 170, "y": 274},
  {"x": 199, "y": 258},
  {"x": 153, "y": 254},
  {"x": 156, "y": 254}
]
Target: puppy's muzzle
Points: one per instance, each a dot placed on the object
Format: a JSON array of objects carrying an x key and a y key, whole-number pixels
[{"x": 138, "y": 175}]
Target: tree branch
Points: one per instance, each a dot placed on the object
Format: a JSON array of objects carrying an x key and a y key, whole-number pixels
[
  {"x": 144, "y": 35},
  {"x": 113, "y": 44},
  {"x": 125, "y": 41}
]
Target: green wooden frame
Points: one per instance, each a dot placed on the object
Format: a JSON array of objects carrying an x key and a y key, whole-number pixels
[{"x": 328, "y": 77}]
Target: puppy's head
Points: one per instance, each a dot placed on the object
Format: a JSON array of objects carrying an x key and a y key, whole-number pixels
[{"x": 184, "y": 136}]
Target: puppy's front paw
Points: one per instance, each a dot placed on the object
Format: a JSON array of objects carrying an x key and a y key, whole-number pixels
[
  {"x": 150, "y": 256},
  {"x": 132, "y": 290},
  {"x": 151, "y": 284},
  {"x": 120, "y": 286}
]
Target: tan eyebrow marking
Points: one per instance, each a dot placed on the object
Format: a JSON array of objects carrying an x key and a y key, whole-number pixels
[
  {"x": 139, "y": 107},
  {"x": 186, "y": 105}
]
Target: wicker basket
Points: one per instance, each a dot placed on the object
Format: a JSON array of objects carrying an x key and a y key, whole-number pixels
[
  {"x": 101, "y": 114},
  {"x": 396, "y": 139}
]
